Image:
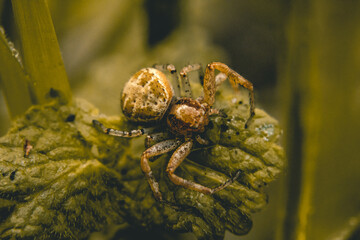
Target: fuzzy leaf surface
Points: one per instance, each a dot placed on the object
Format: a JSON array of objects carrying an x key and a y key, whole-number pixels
[{"x": 76, "y": 180}]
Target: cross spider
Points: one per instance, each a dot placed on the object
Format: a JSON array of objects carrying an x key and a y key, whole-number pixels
[{"x": 149, "y": 97}]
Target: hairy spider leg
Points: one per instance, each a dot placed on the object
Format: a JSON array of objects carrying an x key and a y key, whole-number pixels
[
  {"x": 154, "y": 138},
  {"x": 185, "y": 80},
  {"x": 119, "y": 133},
  {"x": 157, "y": 149},
  {"x": 177, "y": 158},
  {"x": 235, "y": 80},
  {"x": 175, "y": 77}
]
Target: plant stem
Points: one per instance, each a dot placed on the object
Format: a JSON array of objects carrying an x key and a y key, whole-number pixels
[
  {"x": 40, "y": 49},
  {"x": 13, "y": 80}
]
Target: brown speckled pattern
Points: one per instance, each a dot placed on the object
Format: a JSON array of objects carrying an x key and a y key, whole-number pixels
[
  {"x": 146, "y": 96},
  {"x": 188, "y": 116}
]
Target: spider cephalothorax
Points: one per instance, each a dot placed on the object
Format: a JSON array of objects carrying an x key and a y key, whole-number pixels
[
  {"x": 188, "y": 116},
  {"x": 148, "y": 97}
]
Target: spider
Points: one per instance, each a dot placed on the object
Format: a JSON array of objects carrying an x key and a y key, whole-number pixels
[{"x": 148, "y": 97}]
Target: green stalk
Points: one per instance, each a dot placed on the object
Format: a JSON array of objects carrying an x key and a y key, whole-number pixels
[
  {"x": 13, "y": 80},
  {"x": 40, "y": 49},
  {"x": 321, "y": 89}
]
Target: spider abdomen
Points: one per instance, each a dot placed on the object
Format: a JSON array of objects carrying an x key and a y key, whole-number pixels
[
  {"x": 187, "y": 116},
  {"x": 146, "y": 96}
]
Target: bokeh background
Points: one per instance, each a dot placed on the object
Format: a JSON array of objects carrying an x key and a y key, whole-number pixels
[{"x": 302, "y": 56}]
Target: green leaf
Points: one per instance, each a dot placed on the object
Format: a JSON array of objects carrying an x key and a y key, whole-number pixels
[
  {"x": 60, "y": 190},
  {"x": 77, "y": 180}
]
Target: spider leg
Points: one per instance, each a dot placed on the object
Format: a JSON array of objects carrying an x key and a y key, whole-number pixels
[
  {"x": 154, "y": 138},
  {"x": 185, "y": 80},
  {"x": 175, "y": 77},
  {"x": 227, "y": 183},
  {"x": 119, "y": 133},
  {"x": 235, "y": 79},
  {"x": 157, "y": 149},
  {"x": 177, "y": 158}
]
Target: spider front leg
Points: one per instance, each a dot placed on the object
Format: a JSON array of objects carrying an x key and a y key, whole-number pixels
[
  {"x": 177, "y": 158},
  {"x": 185, "y": 80},
  {"x": 235, "y": 80},
  {"x": 157, "y": 149}
]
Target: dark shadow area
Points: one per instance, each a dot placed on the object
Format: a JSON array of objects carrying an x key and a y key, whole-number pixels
[{"x": 163, "y": 18}]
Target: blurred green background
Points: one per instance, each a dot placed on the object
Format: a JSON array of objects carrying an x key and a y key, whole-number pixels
[{"x": 302, "y": 56}]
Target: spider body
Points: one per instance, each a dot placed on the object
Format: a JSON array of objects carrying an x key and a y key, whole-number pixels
[
  {"x": 188, "y": 116},
  {"x": 146, "y": 96},
  {"x": 149, "y": 97}
]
